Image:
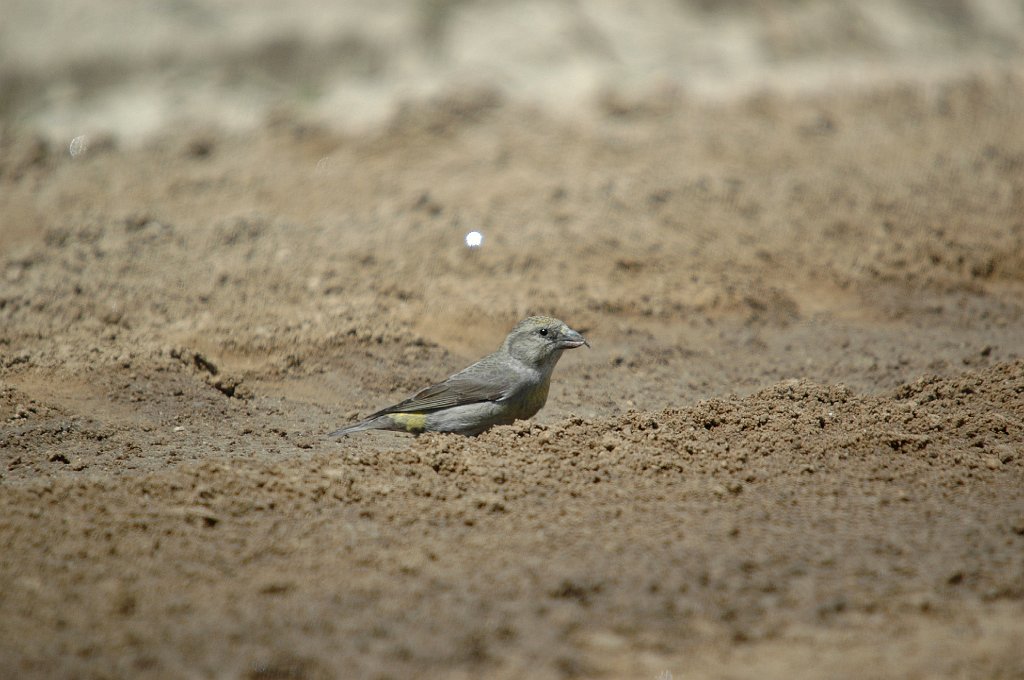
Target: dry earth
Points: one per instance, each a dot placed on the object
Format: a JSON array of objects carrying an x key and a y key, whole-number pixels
[{"x": 796, "y": 449}]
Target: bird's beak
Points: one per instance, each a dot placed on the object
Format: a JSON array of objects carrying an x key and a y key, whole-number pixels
[{"x": 570, "y": 339}]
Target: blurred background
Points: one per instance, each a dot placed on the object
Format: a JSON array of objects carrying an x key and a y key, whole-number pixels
[{"x": 131, "y": 68}]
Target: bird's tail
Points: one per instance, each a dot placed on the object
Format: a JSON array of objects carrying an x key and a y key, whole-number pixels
[
  {"x": 352, "y": 429},
  {"x": 399, "y": 422}
]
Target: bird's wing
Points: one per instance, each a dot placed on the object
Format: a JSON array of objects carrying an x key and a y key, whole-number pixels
[{"x": 483, "y": 381}]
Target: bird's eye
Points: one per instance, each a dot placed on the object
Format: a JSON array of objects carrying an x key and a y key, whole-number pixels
[{"x": 543, "y": 331}]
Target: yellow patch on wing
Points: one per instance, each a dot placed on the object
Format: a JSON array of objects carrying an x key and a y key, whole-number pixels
[{"x": 412, "y": 422}]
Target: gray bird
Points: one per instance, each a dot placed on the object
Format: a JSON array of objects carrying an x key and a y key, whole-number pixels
[{"x": 511, "y": 384}]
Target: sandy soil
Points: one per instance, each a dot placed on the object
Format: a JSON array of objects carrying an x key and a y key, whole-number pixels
[{"x": 796, "y": 448}]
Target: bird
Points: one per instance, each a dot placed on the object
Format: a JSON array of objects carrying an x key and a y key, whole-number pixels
[{"x": 508, "y": 385}]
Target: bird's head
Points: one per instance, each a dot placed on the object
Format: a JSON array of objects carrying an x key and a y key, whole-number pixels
[{"x": 539, "y": 340}]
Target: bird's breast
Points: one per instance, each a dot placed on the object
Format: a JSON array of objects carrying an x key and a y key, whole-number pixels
[{"x": 535, "y": 399}]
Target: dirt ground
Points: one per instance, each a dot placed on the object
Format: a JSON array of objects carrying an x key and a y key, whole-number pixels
[{"x": 796, "y": 449}]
